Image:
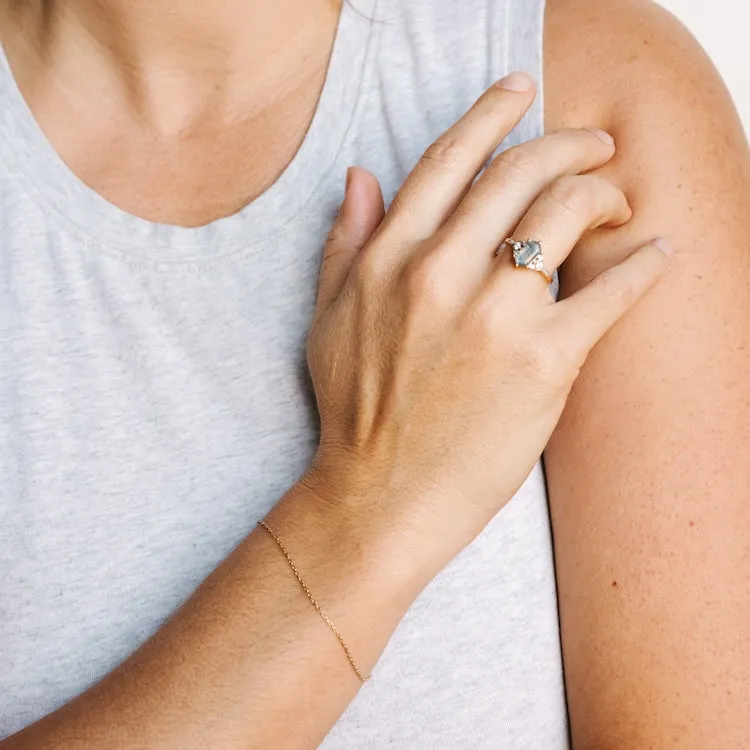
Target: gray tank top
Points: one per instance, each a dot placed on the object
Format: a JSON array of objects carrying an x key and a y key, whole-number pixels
[{"x": 154, "y": 404}]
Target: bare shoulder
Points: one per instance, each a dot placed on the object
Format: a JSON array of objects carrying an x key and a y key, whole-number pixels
[
  {"x": 609, "y": 59},
  {"x": 630, "y": 67},
  {"x": 650, "y": 520}
]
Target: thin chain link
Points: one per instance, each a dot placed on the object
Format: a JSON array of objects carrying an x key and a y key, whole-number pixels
[{"x": 315, "y": 604}]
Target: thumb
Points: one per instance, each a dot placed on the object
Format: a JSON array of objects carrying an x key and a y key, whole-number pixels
[{"x": 359, "y": 217}]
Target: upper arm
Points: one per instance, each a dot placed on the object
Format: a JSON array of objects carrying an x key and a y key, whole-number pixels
[{"x": 649, "y": 468}]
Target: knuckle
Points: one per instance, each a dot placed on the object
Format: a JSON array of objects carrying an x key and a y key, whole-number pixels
[
  {"x": 520, "y": 161},
  {"x": 446, "y": 152},
  {"x": 402, "y": 204},
  {"x": 574, "y": 195},
  {"x": 369, "y": 269}
]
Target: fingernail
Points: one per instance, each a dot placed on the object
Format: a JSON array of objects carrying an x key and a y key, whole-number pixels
[
  {"x": 348, "y": 179},
  {"x": 664, "y": 245},
  {"x": 517, "y": 81},
  {"x": 602, "y": 135}
]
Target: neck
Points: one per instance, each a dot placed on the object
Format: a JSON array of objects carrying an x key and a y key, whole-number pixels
[
  {"x": 220, "y": 37},
  {"x": 172, "y": 61}
]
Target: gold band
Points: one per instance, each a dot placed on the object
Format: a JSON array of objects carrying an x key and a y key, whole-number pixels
[
  {"x": 549, "y": 279},
  {"x": 315, "y": 604}
]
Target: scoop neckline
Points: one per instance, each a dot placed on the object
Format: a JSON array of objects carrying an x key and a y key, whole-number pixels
[{"x": 26, "y": 150}]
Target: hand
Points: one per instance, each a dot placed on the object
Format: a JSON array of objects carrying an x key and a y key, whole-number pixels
[{"x": 440, "y": 369}]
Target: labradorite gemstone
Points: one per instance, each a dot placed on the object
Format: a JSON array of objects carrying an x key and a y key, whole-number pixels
[{"x": 527, "y": 252}]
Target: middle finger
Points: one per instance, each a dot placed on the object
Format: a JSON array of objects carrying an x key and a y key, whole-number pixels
[{"x": 511, "y": 184}]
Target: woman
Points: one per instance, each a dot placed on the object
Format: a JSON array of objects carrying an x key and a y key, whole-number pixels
[{"x": 169, "y": 174}]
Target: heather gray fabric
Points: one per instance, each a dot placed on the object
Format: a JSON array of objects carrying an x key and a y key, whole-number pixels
[{"x": 153, "y": 403}]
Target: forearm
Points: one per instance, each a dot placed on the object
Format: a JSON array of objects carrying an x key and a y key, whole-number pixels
[{"x": 247, "y": 662}]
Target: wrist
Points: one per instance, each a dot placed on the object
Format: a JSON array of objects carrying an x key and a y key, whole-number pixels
[
  {"x": 343, "y": 526},
  {"x": 362, "y": 581},
  {"x": 418, "y": 529}
]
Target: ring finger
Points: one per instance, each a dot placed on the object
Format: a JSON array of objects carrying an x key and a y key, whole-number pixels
[
  {"x": 506, "y": 191},
  {"x": 561, "y": 215}
]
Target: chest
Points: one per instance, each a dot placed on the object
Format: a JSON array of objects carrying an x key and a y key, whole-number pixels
[
  {"x": 138, "y": 408},
  {"x": 151, "y": 411},
  {"x": 148, "y": 418},
  {"x": 195, "y": 179},
  {"x": 198, "y": 166}
]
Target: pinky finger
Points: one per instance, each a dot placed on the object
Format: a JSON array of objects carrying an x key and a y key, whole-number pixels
[{"x": 589, "y": 313}]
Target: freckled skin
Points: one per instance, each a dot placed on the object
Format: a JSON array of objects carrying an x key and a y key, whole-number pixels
[{"x": 634, "y": 463}]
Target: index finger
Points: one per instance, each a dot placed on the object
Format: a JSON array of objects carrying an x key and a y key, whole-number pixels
[{"x": 447, "y": 168}]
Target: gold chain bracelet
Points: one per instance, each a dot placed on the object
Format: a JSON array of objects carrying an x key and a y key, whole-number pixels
[{"x": 315, "y": 604}]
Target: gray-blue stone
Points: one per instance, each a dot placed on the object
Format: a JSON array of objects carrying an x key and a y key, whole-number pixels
[{"x": 527, "y": 252}]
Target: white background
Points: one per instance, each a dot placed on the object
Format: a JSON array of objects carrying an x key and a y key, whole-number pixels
[{"x": 723, "y": 28}]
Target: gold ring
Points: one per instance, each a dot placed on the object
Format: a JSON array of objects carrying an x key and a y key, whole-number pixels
[{"x": 528, "y": 254}]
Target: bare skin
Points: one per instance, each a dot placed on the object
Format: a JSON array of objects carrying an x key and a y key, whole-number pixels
[
  {"x": 647, "y": 470},
  {"x": 650, "y": 528},
  {"x": 210, "y": 104}
]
